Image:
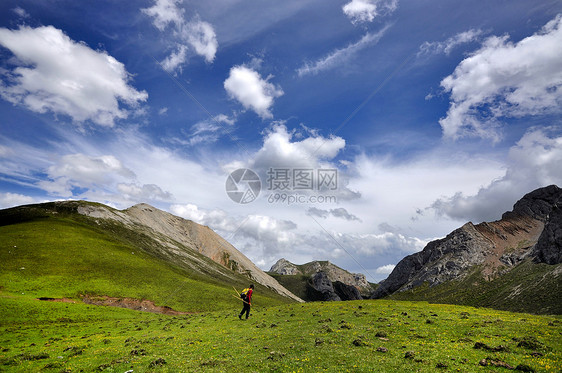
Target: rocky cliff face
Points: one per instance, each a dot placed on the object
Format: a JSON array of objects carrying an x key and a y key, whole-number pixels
[
  {"x": 333, "y": 272},
  {"x": 532, "y": 229}
]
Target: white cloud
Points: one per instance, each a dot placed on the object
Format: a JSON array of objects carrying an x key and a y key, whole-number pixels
[
  {"x": 533, "y": 162},
  {"x": 165, "y": 12},
  {"x": 361, "y": 11},
  {"x": 55, "y": 73},
  {"x": 82, "y": 171},
  {"x": 195, "y": 33},
  {"x": 339, "y": 212},
  {"x": 385, "y": 270},
  {"x": 201, "y": 36},
  {"x": 279, "y": 150},
  {"x": 207, "y": 131},
  {"x": 146, "y": 192},
  {"x": 21, "y": 12},
  {"x": 438, "y": 47},
  {"x": 14, "y": 199},
  {"x": 175, "y": 60},
  {"x": 247, "y": 87},
  {"x": 504, "y": 79},
  {"x": 339, "y": 57}
]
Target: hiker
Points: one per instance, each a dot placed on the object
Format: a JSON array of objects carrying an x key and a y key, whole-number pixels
[{"x": 247, "y": 298}]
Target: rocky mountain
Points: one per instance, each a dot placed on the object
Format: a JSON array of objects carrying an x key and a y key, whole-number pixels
[
  {"x": 320, "y": 280},
  {"x": 176, "y": 240},
  {"x": 512, "y": 263}
]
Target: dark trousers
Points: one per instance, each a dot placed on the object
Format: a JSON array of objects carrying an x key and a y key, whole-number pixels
[{"x": 245, "y": 309}]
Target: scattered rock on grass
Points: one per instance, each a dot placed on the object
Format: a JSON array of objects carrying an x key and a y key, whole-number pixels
[
  {"x": 484, "y": 346},
  {"x": 382, "y": 349},
  {"x": 524, "y": 368},
  {"x": 359, "y": 342},
  {"x": 275, "y": 355},
  {"x": 156, "y": 363},
  {"x": 530, "y": 342},
  {"x": 495, "y": 363},
  {"x": 409, "y": 355}
]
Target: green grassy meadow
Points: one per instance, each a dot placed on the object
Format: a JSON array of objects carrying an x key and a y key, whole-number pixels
[
  {"x": 64, "y": 258},
  {"x": 358, "y": 336},
  {"x": 59, "y": 254}
]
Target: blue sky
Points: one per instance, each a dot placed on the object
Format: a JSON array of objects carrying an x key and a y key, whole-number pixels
[{"x": 431, "y": 113}]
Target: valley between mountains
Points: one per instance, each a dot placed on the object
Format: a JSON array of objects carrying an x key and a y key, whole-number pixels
[{"x": 76, "y": 276}]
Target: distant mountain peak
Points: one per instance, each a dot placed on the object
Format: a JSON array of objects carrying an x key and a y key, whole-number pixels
[
  {"x": 533, "y": 229},
  {"x": 332, "y": 271},
  {"x": 537, "y": 204}
]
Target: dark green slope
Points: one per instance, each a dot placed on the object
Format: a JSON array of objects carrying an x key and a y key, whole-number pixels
[
  {"x": 50, "y": 251},
  {"x": 528, "y": 287}
]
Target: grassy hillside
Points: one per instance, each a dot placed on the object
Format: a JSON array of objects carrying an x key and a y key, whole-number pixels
[
  {"x": 359, "y": 336},
  {"x": 296, "y": 284},
  {"x": 537, "y": 288},
  {"x": 62, "y": 254}
]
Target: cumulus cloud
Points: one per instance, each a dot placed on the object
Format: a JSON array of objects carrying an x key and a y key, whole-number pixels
[
  {"x": 175, "y": 60},
  {"x": 80, "y": 176},
  {"x": 533, "y": 162},
  {"x": 385, "y": 270},
  {"x": 165, "y": 12},
  {"x": 195, "y": 34},
  {"x": 362, "y": 11},
  {"x": 446, "y": 47},
  {"x": 339, "y": 57},
  {"x": 251, "y": 90},
  {"x": 150, "y": 192},
  {"x": 505, "y": 79},
  {"x": 267, "y": 238},
  {"x": 82, "y": 171},
  {"x": 50, "y": 76},
  {"x": 279, "y": 149},
  {"x": 339, "y": 212},
  {"x": 14, "y": 199},
  {"x": 282, "y": 152},
  {"x": 270, "y": 234}
]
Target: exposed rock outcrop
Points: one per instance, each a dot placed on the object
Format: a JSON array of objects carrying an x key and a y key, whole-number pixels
[
  {"x": 537, "y": 204},
  {"x": 549, "y": 247},
  {"x": 333, "y": 272},
  {"x": 321, "y": 288},
  {"x": 284, "y": 267},
  {"x": 346, "y": 292},
  {"x": 533, "y": 228}
]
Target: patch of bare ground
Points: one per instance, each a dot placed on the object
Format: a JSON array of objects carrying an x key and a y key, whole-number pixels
[
  {"x": 514, "y": 235},
  {"x": 130, "y": 303}
]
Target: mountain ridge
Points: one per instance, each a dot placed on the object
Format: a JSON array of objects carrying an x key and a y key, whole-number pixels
[
  {"x": 199, "y": 237},
  {"x": 531, "y": 232},
  {"x": 332, "y": 271},
  {"x": 181, "y": 243}
]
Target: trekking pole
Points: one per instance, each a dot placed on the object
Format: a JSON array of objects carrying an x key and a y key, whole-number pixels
[{"x": 240, "y": 299}]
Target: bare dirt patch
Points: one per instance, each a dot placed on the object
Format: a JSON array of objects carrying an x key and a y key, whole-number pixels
[{"x": 130, "y": 303}]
